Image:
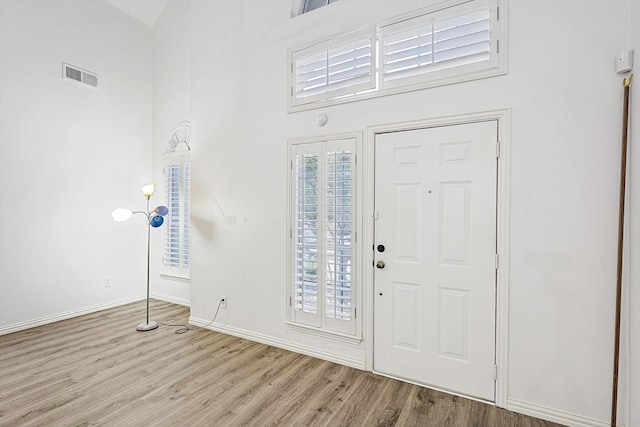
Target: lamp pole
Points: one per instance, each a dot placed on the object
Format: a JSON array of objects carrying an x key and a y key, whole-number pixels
[{"x": 149, "y": 325}]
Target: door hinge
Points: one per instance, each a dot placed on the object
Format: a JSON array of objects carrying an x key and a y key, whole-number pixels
[
  {"x": 495, "y": 372},
  {"x": 497, "y": 149},
  {"x": 291, "y": 166},
  {"x": 497, "y": 48},
  {"x": 355, "y": 237},
  {"x": 355, "y": 313},
  {"x": 497, "y": 17},
  {"x": 290, "y": 301},
  {"x": 497, "y": 261}
]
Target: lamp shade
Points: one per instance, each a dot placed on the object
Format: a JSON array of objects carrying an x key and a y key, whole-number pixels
[
  {"x": 121, "y": 214},
  {"x": 148, "y": 189},
  {"x": 161, "y": 210}
]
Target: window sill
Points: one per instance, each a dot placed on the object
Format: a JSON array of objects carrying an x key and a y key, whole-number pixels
[
  {"x": 175, "y": 278},
  {"x": 333, "y": 336}
]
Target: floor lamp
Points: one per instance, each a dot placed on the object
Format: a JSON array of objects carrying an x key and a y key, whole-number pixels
[{"x": 154, "y": 219}]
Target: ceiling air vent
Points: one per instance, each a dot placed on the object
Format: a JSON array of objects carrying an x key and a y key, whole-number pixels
[{"x": 71, "y": 72}]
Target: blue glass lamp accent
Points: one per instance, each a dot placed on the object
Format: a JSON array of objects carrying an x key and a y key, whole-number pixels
[{"x": 156, "y": 221}]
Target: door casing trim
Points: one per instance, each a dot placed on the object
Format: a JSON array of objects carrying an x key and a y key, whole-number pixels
[{"x": 503, "y": 118}]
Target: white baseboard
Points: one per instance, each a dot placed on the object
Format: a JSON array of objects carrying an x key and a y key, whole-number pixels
[
  {"x": 67, "y": 315},
  {"x": 554, "y": 415},
  {"x": 276, "y": 342},
  {"x": 171, "y": 299}
]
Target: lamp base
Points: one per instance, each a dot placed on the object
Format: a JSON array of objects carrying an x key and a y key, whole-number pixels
[{"x": 147, "y": 326}]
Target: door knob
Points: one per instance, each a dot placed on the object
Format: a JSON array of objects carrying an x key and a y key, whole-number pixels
[{"x": 380, "y": 264}]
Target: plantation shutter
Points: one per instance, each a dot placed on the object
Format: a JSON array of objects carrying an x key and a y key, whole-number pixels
[
  {"x": 177, "y": 245},
  {"x": 186, "y": 215},
  {"x": 427, "y": 44},
  {"x": 323, "y": 239},
  {"x": 172, "y": 231},
  {"x": 338, "y": 232},
  {"x": 341, "y": 67},
  {"x": 306, "y": 234}
]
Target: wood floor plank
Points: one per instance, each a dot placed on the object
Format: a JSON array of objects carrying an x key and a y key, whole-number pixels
[
  {"x": 96, "y": 370},
  {"x": 274, "y": 393},
  {"x": 133, "y": 380},
  {"x": 232, "y": 386}
]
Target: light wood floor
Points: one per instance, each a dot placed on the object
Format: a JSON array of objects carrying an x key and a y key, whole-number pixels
[{"x": 97, "y": 370}]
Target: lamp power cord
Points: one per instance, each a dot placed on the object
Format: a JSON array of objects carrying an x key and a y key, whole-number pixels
[{"x": 184, "y": 328}]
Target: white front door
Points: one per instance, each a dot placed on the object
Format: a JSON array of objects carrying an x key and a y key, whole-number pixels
[{"x": 435, "y": 256}]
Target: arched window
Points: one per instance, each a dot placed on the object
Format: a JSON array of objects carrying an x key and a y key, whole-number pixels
[
  {"x": 298, "y": 7},
  {"x": 177, "y": 184}
]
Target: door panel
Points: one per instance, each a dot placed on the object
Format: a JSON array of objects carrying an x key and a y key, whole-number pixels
[
  {"x": 435, "y": 200},
  {"x": 406, "y": 315}
]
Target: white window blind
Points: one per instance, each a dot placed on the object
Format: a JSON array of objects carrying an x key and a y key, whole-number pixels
[
  {"x": 338, "y": 234},
  {"x": 177, "y": 244},
  {"x": 434, "y": 45},
  {"x": 172, "y": 234},
  {"x": 342, "y": 67},
  {"x": 322, "y": 234},
  {"x": 307, "y": 232}
]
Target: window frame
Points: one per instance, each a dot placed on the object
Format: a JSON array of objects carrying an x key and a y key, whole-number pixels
[
  {"x": 319, "y": 323},
  {"x": 178, "y": 153},
  {"x": 497, "y": 64},
  {"x": 299, "y": 7}
]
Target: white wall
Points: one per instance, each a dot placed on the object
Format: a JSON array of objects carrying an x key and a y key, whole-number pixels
[
  {"x": 171, "y": 104},
  {"x": 69, "y": 155},
  {"x": 566, "y": 132},
  {"x": 566, "y": 106}
]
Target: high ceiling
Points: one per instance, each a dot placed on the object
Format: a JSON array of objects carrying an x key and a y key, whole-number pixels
[{"x": 146, "y": 11}]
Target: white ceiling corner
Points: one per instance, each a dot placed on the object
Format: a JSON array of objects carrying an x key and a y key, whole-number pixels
[{"x": 146, "y": 11}]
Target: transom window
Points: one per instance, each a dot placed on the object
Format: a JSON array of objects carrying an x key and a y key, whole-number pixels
[
  {"x": 342, "y": 66},
  {"x": 409, "y": 50},
  {"x": 428, "y": 48}
]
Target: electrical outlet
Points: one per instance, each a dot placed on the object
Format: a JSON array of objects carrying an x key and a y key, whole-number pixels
[
  {"x": 223, "y": 301},
  {"x": 107, "y": 283}
]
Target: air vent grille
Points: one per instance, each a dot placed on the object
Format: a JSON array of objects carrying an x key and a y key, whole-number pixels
[{"x": 71, "y": 72}]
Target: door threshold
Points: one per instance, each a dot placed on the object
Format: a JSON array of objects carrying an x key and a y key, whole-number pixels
[{"x": 430, "y": 387}]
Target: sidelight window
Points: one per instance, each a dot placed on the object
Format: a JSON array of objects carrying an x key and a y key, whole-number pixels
[{"x": 322, "y": 290}]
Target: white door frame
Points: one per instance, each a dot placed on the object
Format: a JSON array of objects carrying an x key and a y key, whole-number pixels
[{"x": 502, "y": 291}]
